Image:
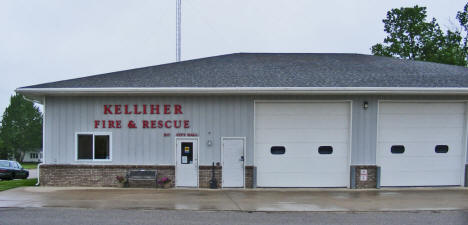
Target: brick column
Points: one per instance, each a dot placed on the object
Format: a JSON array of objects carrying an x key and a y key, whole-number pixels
[
  {"x": 368, "y": 181},
  {"x": 204, "y": 176},
  {"x": 466, "y": 175},
  {"x": 249, "y": 181}
]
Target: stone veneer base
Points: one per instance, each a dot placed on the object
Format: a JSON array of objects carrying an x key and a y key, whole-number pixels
[
  {"x": 97, "y": 175},
  {"x": 105, "y": 175},
  {"x": 371, "y": 177},
  {"x": 466, "y": 175}
]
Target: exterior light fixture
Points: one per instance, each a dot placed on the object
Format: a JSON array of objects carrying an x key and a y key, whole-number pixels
[
  {"x": 209, "y": 143},
  {"x": 365, "y": 105}
]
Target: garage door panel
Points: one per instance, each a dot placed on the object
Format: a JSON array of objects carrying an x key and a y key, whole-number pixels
[
  {"x": 429, "y": 178},
  {"x": 301, "y": 128},
  {"x": 421, "y": 149},
  {"x": 420, "y": 135},
  {"x": 303, "y": 121},
  {"x": 301, "y": 180},
  {"x": 302, "y": 149},
  {"x": 296, "y": 135},
  {"x": 423, "y": 164},
  {"x": 419, "y": 127},
  {"x": 389, "y": 121},
  {"x": 421, "y": 108},
  {"x": 302, "y": 165}
]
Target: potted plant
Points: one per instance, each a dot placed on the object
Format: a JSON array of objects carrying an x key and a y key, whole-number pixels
[
  {"x": 122, "y": 181},
  {"x": 164, "y": 182}
]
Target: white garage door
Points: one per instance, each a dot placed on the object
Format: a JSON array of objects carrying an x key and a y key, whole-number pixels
[
  {"x": 420, "y": 144},
  {"x": 302, "y": 144}
]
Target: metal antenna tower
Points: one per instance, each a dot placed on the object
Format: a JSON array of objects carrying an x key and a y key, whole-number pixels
[{"x": 178, "y": 29}]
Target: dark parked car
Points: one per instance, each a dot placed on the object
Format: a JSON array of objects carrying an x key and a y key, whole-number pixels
[{"x": 12, "y": 170}]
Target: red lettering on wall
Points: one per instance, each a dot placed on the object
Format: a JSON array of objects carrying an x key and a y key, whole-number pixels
[
  {"x": 145, "y": 124},
  {"x": 131, "y": 124},
  {"x": 177, "y": 125},
  {"x": 154, "y": 109},
  {"x": 107, "y": 109},
  {"x": 186, "y": 124},
  {"x": 160, "y": 124},
  {"x": 178, "y": 109},
  {"x": 153, "y": 123},
  {"x": 119, "y": 124},
  {"x": 144, "y": 109},
  {"x": 118, "y": 109},
  {"x": 135, "y": 109},
  {"x": 126, "y": 109},
  {"x": 167, "y": 109},
  {"x": 96, "y": 124},
  {"x": 111, "y": 124},
  {"x": 168, "y": 124},
  {"x": 103, "y": 124}
]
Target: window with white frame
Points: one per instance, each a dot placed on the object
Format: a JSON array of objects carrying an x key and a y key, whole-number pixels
[
  {"x": 93, "y": 146},
  {"x": 33, "y": 155}
]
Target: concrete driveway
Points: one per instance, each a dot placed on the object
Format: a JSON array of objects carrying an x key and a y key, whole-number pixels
[{"x": 345, "y": 200}]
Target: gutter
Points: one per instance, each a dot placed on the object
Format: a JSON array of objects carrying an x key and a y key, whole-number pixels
[{"x": 242, "y": 90}]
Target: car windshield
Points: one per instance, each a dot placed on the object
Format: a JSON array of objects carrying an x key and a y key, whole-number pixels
[{"x": 4, "y": 164}]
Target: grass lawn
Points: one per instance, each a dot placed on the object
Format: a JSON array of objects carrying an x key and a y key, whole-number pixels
[
  {"x": 9, "y": 184},
  {"x": 29, "y": 165}
]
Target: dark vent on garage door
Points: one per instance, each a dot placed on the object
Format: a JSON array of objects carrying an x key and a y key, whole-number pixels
[
  {"x": 398, "y": 149},
  {"x": 441, "y": 148},
  {"x": 325, "y": 150},
  {"x": 278, "y": 150}
]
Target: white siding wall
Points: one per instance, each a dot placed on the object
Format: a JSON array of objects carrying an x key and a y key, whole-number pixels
[
  {"x": 229, "y": 116},
  {"x": 222, "y": 116}
]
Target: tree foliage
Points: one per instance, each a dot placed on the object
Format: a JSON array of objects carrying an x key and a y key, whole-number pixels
[
  {"x": 21, "y": 128},
  {"x": 411, "y": 36}
]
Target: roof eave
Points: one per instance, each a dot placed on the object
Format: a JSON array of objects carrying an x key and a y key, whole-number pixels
[{"x": 38, "y": 93}]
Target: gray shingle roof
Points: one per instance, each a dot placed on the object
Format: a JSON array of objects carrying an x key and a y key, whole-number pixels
[{"x": 279, "y": 70}]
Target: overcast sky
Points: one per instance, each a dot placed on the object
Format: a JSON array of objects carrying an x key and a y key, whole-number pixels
[{"x": 43, "y": 41}]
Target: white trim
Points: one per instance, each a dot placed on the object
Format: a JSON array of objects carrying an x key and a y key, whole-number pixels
[
  {"x": 198, "y": 159},
  {"x": 309, "y": 101},
  {"x": 377, "y": 137},
  {"x": 244, "y": 139},
  {"x": 44, "y": 133},
  {"x": 465, "y": 130},
  {"x": 94, "y": 134},
  {"x": 465, "y": 144},
  {"x": 244, "y": 90},
  {"x": 350, "y": 142}
]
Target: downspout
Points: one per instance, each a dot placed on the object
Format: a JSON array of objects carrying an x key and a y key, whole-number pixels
[
  {"x": 43, "y": 144},
  {"x": 43, "y": 135},
  {"x": 39, "y": 171}
]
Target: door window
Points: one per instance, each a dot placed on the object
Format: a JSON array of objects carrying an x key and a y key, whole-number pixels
[{"x": 186, "y": 153}]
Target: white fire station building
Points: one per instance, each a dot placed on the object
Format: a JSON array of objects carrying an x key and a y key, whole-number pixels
[{"x": 263, "y": 120}]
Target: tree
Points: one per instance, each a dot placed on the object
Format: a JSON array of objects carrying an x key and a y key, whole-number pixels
[
  {"x": 462, "y": 17},
  {"x": 21, "y": 129},
  {"x": 411, "y": 36}
]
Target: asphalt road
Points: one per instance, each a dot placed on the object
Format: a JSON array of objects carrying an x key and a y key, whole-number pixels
[{"x": 71, "y": 216}]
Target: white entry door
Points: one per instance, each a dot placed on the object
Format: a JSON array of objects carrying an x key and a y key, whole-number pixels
[
  {"x": 421, "y": 143},
  {"x": 187, "y": 162},
  {"x": 233, "y": 162}
]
